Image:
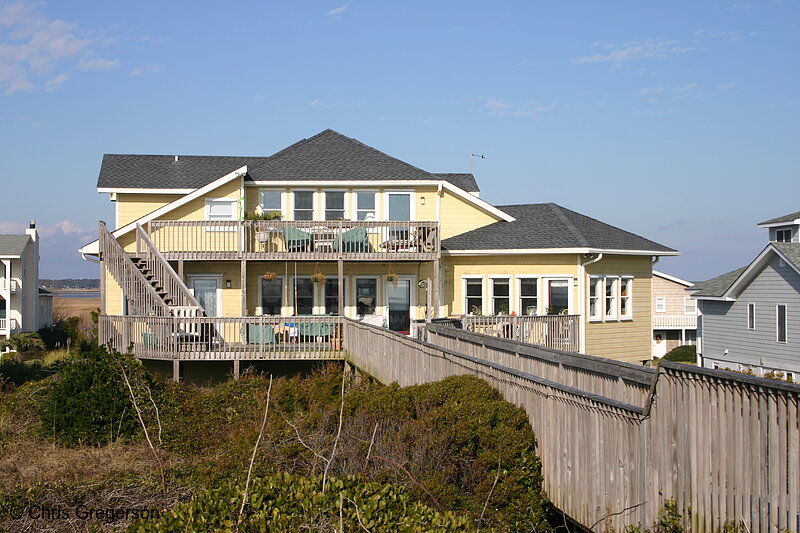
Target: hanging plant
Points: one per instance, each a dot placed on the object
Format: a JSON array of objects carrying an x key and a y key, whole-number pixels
[
  {"x": 269, "y": 276},
  {"x": 317, "y": 276},
  {"x": 391, "y": 277}
]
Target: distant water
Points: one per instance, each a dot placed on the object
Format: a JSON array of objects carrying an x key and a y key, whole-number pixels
[{"x": 77, "y": 294}]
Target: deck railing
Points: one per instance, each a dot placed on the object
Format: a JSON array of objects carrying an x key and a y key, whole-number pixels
[
  {"x": 674, "y": 321},
  {"x": 560, "y": 332},
  {"x": 297, "y": 240},
  {"x": 224, "y": 338},
  {"x": 2, "y": 323}
]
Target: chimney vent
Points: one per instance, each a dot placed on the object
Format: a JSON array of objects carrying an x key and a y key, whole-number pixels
[
  {"x": 176, "y": 158},
  {"x": 32, "y": 224}
]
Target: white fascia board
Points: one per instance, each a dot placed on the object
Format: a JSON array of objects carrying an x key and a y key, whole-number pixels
[
  {"x": 116, "y": 190},
  {"x": 461, "y": 193},
  {"x": 93, "y": 247},
  {"x": 713, "y": 298},
  {"x": 10, "y": 256},
  {"x": 672, "y": 278},
  {"x": 778, "y": 224},
  {"x": 529, "y": 251}
]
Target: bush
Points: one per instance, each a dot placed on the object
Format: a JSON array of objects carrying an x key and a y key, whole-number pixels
[
  {"x": 682, "y": 354},
  {"x": 14, "y": 373},
  {"x": 284, "y": 502},
  {"x": 87, "y": 402}
]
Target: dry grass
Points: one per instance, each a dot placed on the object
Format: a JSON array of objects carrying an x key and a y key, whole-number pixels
[{"x": 79, "y": 307}]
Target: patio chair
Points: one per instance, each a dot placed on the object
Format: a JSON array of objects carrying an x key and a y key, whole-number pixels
[
  {"x": 353, "y": 240},
  {"x": 297, "y": 240},
  {"x": 260, "y": 334}
]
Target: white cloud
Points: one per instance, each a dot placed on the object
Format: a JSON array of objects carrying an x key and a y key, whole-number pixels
[
  {"x": 97, "y": 63},
  {"x": 154, "y": 69},
  {"x": 338, "y": 10},
  {"x": 497, "y": 106},
  {"x": 501, "y": 108},
  {"x": 619, "y": 53},
  {"x": 33, "y": 45},
  {"x": 59, "y": 229},
  {"x": 726, "y": 86},
  {"x": 55, "y": 82},
  {"x": 649, "y": 91},
  {"x": 316, "y": 102},
  {"x": 530, "y": 109}
]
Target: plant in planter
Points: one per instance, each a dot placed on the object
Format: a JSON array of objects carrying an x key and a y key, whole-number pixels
[
  {"x": 391, "y": 277},
  {"x": 317, "y": 276},
  {"x": 260, "y": 214}
]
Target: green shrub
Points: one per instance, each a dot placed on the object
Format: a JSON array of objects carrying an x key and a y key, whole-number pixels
[
  {"x": 682, "y": 354},
  {"x": 16, "y": 373},
  {"x": 87, "y": 402},
  {"x": 284, "y": 502}
]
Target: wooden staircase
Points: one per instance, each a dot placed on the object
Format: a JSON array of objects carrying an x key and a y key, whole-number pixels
[{"x": 154, "y": 282}]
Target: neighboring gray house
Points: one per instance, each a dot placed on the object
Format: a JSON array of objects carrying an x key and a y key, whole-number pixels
[{"x": 750, "y": 317}]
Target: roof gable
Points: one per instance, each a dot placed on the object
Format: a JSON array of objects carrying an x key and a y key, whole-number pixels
[{"x": 550, "y": 226}]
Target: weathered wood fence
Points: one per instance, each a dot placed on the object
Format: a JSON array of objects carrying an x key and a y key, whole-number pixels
[{"x": 617, "y": 440}]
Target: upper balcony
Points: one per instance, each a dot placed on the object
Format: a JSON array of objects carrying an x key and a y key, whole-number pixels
[
  {"x": 297, "y": 240},
  {"x": 11, "y": 285}
]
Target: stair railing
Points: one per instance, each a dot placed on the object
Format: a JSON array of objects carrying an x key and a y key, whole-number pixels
[{"x": 174, "y": 286}]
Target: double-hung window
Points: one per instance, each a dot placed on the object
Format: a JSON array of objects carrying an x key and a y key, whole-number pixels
[
  {"x": 689, "y": 306},
  {"x": 303, "y": 296},
  {"x": 611, "y": 298},
  {"x": 332, "y": 295},
  {"x": 303, "y": 205},
  {"x": 500, "y": 296},
  {"x": 625, "y": 297},
  {"x": 271, "y": 296},
  {"x": 528, "y": 296},
  {"x": 221, "y": 210},
  {"x": 661, "y": 304},
  {"x": 366, "y": 296},
  {"x": 473, "y": 296},
  {"x": 334, "y": 205},
  {"x": 365, "y": 206},
  {"x": 270, "y": 202},
  {"x": 780, "y": 315},
  {"x": 783, "y": 235},
  {"x": 595, "y": 298}
]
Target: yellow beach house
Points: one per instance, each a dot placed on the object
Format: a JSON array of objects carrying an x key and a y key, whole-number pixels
[{"x": 242, "y": 258}]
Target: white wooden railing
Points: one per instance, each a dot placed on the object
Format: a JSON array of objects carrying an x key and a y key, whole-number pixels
[
  {"x": 674, "y": 321},
  {"x": 9, "y": 284}
]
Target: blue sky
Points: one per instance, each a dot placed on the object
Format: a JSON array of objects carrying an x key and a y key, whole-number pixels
[{"x": 677, "y": 121}]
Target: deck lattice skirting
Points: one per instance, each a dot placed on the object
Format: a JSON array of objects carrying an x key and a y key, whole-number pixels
[{"x": 617, "y": 440}]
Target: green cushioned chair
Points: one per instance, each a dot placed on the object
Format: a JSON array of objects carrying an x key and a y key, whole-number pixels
[
  {"x": 296, "y": 240},
  {"x": 315, "y": 329},
  {"x": 260, "y": 334},
  {"x": 149, "y": 340},
  {"x": 353, "y": 240}
]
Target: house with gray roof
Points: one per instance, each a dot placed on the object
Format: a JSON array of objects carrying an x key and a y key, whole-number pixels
[
  {"x": 20, "y": 306},
  {"x": 750, "y": 317},
  {"x": 332, "y": 226}
]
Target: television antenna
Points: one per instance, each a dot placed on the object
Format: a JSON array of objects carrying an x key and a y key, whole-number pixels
[{"x": 472, "y": 161}]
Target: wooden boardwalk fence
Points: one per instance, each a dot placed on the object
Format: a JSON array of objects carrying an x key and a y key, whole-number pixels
[{"x": 616, "y": 440}]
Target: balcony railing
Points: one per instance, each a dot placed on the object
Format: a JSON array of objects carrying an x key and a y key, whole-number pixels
[
  {"x": 7, "y": 284},
  {"x": 674, "y": 321},
  {"x": 3, "y": 324},
  {"x": 297, "y": 240},
  {"x": 224, "y": 338}
]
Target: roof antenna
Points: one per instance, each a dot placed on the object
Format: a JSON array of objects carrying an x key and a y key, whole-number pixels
[{"x": 472, "y": 162}]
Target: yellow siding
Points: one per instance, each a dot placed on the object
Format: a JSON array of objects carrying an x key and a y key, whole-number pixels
[
  {"x": 131, "y": 207},
  {"x": 542, "y": 266},
  {"x": 113, "y": 296},
  {"x": 626, "y": 340},
  {"x": 457, "y": 216}
]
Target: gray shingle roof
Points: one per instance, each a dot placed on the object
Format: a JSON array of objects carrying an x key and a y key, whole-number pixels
[
  {"x": 13, "y": 244},
  {"x": 791, "y": 217},
  {"x": 549, "y": 226},
  {"x": 464, "y": 181},
  {"x": 791, "y": 250},
  {"x": 716, "y": 287},
  {"x": 329, "y": 155}
]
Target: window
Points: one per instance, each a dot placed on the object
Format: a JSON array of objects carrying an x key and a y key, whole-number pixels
[
  {"x": 303, "y": 296},
  {"x": 334, "y": 205},
  {"x": 595, "y": 297},
  {"x": 270, "y": 201},
  {"x": 366, "y": 296},
  {"x": 625, "y": 292},
  {"x": 689, "y": 306},
  {"x": 365, "y": 206},
  {"x": 780, "y": 314},
  {"x": 611, "y": 298},
  {"x": 557, "y": 296},
  {"x": 661, "y": 304},
  {"x": 272, "y": 296},
  {"x": 528, "y": 296},
  {"x": 500, "y": 296},
  {"x": 473, "y": 296},
  {"x": 332, "y": 295},
  {"x": 783, "y": 235},
  {"x": 222, "y": 209},
  {"x": 304, "y": 205},
  {"x": 751, "y": 316}
]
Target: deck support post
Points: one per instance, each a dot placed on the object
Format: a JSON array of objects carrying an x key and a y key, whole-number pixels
[
  {"x": 236, "y": 373},
  {"x": 437, "y": 298},
  {"x": 176, "y": 370},
  {"x": 244, "y": 287},
  {"x": 340, "y": 288},
  {"x": 428, "y": 299},
  {"x": 180, "y": 270}
]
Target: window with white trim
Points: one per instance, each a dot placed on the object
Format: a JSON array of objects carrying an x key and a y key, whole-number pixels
[
  {"x": 334, "y": 205},
  {"x": 270, "y": 201},
  {"x": 780, "y": 315},
  {"x": 611, "y": 298},
  {"x": 661, "y": 304},
  {"x": 332, "y": 295},
  {"x": 272, "y": 296},
  {"x": 751, "y": 316},
  {"x": 626, "y": 297},
  {"x": 689, "y": 306},
  {"x": 365, "y": 205},
  {"x": 303, "y": 296},
  {"x": 501, "y": 296},
  {"x": 220, "y": 209},
  {"x": 783, "y": 235},
  {"x": 473, "y": 296},
  {"x": 303, "y": 205},
  {"x": 528, "y": 296},
  {"x": 366, "y": 296},
  {"x": 595, "y": 297}
]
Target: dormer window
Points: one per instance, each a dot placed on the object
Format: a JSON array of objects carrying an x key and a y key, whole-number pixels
[{"x": 783, "y": 235}]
